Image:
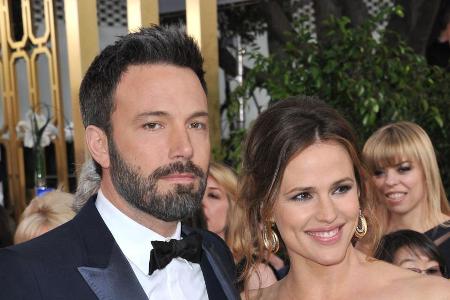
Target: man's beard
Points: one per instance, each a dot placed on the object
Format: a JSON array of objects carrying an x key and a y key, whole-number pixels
[{"x": 176, "y": 204}]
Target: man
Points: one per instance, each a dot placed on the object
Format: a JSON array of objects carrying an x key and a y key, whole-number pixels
[{"x": 143, "y": 103}]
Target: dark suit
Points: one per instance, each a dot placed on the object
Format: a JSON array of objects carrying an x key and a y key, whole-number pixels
[{"x": 81, "y": 260}]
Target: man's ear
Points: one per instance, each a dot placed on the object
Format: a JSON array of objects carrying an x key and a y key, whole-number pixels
[{"x": 97, "y": 143}]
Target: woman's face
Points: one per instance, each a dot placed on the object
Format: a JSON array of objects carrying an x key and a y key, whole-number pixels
[
  {"x": 416, "y": 261},
  {"x": 402, "y": 186},
  {"x": 317, "y": 207},
  {"x": 215, "y": 207}
]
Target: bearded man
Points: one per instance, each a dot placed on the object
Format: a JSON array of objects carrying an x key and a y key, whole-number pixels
[{"x": 144, "y": 106}]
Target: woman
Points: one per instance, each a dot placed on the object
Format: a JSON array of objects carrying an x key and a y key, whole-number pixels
[
  {"x": 302, "y": 176},
  {"x": 412, "y": 250},
  {"x": 224, "y": 217},
  {"x": 403, "y": 165},
  {"x": 43, "y": 214}
]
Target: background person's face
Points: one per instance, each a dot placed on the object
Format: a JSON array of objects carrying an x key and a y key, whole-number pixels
[
  {"x": 160, "y": 148},
  {"x": 215, "y": 207},
  {"x": 416, "y": 261},
  {"x": 317, "y": 207},
  {"x": 402, "y": 186}
]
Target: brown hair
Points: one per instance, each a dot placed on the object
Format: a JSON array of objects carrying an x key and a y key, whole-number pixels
[{"x": 279, "y": 133}]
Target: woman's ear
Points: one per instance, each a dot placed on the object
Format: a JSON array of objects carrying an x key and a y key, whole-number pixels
[{"x": 97, "y": 143}]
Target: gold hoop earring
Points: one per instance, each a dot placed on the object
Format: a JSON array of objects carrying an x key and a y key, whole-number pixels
[
  {"x": 361, "y": 228},
  {"x": 270, "y": 238}
]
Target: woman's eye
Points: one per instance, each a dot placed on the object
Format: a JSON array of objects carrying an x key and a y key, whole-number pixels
[
  {"x": 378, "y": 173},
  {"x": 342, "y": 189},
  {"x": 152, "y": 126},
  {"x": 415, "y": 270},
  {"x": 433, "y": 271},
  {"x": 404, "y": 169},
  {"x": 214, "y": 196},
  {"x": 303, "y": 196}
]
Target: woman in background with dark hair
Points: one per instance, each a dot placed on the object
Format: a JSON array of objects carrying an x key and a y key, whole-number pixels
[
  {"x": 302, "y": 176},
  {"x": 412, "y": 250}
]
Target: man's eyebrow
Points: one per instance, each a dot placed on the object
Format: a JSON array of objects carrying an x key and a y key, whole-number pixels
[
  {"x": 160, "y": 113},
  {"x": 199, "y": 114},
  {"x": 157, "y": 113}
]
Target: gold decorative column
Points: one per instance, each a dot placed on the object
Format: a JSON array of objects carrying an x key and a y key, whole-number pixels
[
  {"x": 14, "y": 153},
  {"x": 201, "y": 19},
  {"x": 28, "y": 49},
  {"x": 82, "y": 47},
  {"x": 142, "y": 13}
]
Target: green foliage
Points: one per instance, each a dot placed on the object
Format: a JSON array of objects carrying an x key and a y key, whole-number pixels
[{"x": 370, "y": 82}]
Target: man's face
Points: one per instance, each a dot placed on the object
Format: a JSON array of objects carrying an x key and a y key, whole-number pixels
[{"x": 159, "y": 146}]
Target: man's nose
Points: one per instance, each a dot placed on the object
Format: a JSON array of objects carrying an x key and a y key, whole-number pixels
[{"x": 180, "y": 144}]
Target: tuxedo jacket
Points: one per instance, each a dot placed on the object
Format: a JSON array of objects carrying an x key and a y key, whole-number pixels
[{"x": 81, "y": 260}]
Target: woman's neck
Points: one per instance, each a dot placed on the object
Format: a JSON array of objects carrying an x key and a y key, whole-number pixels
[
  {"x": 417, "y": 219},
  {"x": 315, "y": 281}
]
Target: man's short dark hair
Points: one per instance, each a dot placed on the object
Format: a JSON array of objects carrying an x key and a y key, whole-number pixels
[{"x": 150, "y": 45}]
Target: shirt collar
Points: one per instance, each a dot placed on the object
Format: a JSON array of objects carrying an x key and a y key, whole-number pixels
[{"x": 133, "y": 238}]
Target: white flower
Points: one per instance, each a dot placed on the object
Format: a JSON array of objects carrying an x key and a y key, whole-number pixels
[
  {"x": 50, "y": 133},
  {"x": 24, "y": 133},
  {"x": 27, "y": 132},
  {"x": 68, "y": 132}
]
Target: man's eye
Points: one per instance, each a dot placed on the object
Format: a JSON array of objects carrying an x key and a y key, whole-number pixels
[
  {"x": 197, "y": 125},
  {"x": 303, "y": 196},
  {"x": 152, "y": 126}
]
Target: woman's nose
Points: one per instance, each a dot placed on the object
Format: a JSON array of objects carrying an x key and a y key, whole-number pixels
[{"x": 391, "y": 178}]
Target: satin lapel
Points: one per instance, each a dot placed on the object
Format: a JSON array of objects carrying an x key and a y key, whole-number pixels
[
  {"x": 106, "y": 270},
  {"x": 116, "y": 281},
  {"x": 219, "y": 270},
  {"x": 215, "y": 263}
]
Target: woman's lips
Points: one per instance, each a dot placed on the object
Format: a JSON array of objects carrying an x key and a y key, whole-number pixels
[
  {"x": 326, "y": 236},
  {"x": 395, "y": 197}
]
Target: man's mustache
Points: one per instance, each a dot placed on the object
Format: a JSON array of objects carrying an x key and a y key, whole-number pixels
[{"x": 178, "y": 167}]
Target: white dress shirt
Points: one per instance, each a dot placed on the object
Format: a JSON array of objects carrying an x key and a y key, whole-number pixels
[{"x": 180, "y": 279}]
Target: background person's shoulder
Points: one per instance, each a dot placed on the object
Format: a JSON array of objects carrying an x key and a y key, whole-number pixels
[{"x": 417, "y": 286}]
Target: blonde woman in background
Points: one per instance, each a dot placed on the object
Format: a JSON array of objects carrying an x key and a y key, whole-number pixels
[
  {"x": 224, "y": 217},
  {"x": 43, "y": 214},
  {"x": 403, "y": 165}
]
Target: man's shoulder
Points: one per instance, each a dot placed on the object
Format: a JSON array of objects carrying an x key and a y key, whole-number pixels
[
  {"x": 215, "y": 244},
  {"x": 208, "y": 236}
]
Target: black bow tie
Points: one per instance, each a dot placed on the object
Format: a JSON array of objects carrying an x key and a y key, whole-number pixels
[{"x": 189, "y": 248}]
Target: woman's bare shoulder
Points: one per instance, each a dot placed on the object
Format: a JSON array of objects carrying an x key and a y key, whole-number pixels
[
  {"x": 398, "y": 283},
  {"x": 427, "y": 287},
  {"x": 261, "y": 277},
  {"x": 267, "y": 293}
]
